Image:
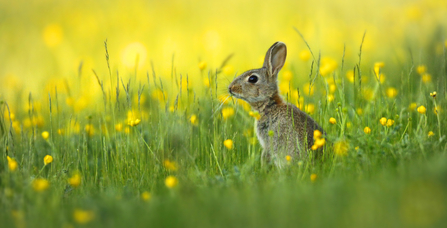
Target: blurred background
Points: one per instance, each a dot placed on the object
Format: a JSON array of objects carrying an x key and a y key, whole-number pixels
[{"x": 44, "y": 42}]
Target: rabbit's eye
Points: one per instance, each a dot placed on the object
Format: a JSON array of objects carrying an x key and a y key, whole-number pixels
[{"x": 253, "y": 79}]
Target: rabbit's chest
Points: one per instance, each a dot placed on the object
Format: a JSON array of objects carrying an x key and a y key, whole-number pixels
[{"x": 269, "y": 130}]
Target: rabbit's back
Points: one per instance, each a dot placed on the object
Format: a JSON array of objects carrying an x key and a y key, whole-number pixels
[{"x": 286, "y": 130}]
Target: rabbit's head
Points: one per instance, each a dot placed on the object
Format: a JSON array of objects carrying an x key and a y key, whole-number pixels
[{"x": 260, "y": 85}]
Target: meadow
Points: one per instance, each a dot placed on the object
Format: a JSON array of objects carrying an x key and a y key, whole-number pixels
[{"x": 117, "y": 113}]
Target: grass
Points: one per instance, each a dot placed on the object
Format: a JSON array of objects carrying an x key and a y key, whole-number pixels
[{"x": 393, "y": 177}]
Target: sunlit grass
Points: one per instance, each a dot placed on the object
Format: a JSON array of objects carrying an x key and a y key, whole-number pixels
[{"x": 148, "y": 135}]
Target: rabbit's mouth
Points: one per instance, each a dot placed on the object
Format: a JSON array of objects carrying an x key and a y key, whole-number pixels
[{"x": 234, "y": 94}]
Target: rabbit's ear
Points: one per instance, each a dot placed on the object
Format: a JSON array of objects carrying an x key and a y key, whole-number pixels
[{"x": 275, "y": 58}]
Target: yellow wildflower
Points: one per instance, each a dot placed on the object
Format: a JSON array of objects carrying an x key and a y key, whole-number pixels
[
  {"x": 309, "y": 108},
  {"x": 133, "y": 122},
  {"x": 47, "y": 159},
  {"x": 317, "y": 134},
  {"x": 377, "y": 67},
  {"x": 75, "y": 180},
  {"x": 430, "y": 133},
  {"x": 202, "y": 65},
  {"x": 227, "y": 112},
  {"x": 332, "y": 120},
  {"x": 383, "y": 121},
  {"x": 367, "y": 130},
  {"x": 254, "y": 114},
  {"x": 426, "y": 78},
  {"x": 332, "y": 88},
  {"x": 89, "y": 129},
  {"x": 12, "y": 164},
  {"x": 284, "y": 87},
  {"x": 314, "y": 147},
  {"x": 287, "y": 75},
  {"x": 368, "y": 94},
  {"x": 381, "y": 78},
  {"x": 391, "y": 92},
  {"x": 228, "y": 70},
  {"x": 52, "y": 35},
  {"x": 158, "y": 94},
  {"x": 350, "y": 76},
  {"x": 421, "y": 69},
  {"x": 224, "y": 98},
  {"x": 412, "y": 106},
  {"x": 146, "y": 196},
  {"x": 305, "y": 55},
  {"x": 193, "y": 119},
  {"x": 252, "y": 140},
  {"x": 61, "y": 131},
  {"x": 389, "y": 122},
  {"x": 327, "y": 66},
  {"x": 45, "y": 135},
  {"x": 119, "y": 127},
  {"x": 171, "y": 181},
  {"x": 228, "y": 144},
  {"x": 170, "y": 165},
  {"x": 421, "y": 109},
  {"x": 320, "y": 142},
  {"x": 437, "y": 109},
  {"x": 206, "y": 82},
  {"x": 308, "y": 89},
  {"x": 359, "y": 111},
  {"x": 313, "y": 177},
  {"x": 433, "y": 94},
  {"x": 40, "y": 184},
  {"x": 83, "y": 216},
  {"x": 288, "y": 158},
  {"x": 341, "y": 148}
]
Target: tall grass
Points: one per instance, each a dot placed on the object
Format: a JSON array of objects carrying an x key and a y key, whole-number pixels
[{"x": 394, "y": 176}]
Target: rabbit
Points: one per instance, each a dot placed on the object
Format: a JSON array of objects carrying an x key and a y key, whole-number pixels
[{"x": 293, "y": 129}]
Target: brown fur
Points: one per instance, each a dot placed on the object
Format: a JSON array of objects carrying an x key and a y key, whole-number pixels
[{"x": 292, "y": 128}]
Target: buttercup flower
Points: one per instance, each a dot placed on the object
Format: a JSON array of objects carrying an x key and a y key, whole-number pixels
[
  {"x": 389, "y": 122},
  {"x": 317, "y": 134},
  {"x": 332, "y": 120},
  {"x": 367, "y": 130},
  {"x": 228, "y": 144},
  {"x": 193, "y": 119},
  {"x": 227, "y": 112},
  {"x": 255, "y": 115},
  {"x": 75, "y": 180},
  {"x": 341, "y": 148},
  {"x": 12, "y": 163},
  {"x": 383, "y": 121},
  {"x": 433, "y": 94},
  {"x": 45, "y": 135},
  {"x": 421, "y": 69},
  {"x": 146, "y": 196},
  {"x": 421, "y": 109},
  {"x": 170, "y": 165},
  {"x": 40, "y": 184},
  {"x": 171, "y": 181},
  {"x": 202, "y": 65},
  {"x": 313, "y": 177},
  {"x": 47, "y": 159},
  {"x": 83, "y": 216}
]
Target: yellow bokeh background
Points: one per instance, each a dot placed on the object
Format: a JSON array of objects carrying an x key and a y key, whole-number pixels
[{"x": 44, "y": 42}]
